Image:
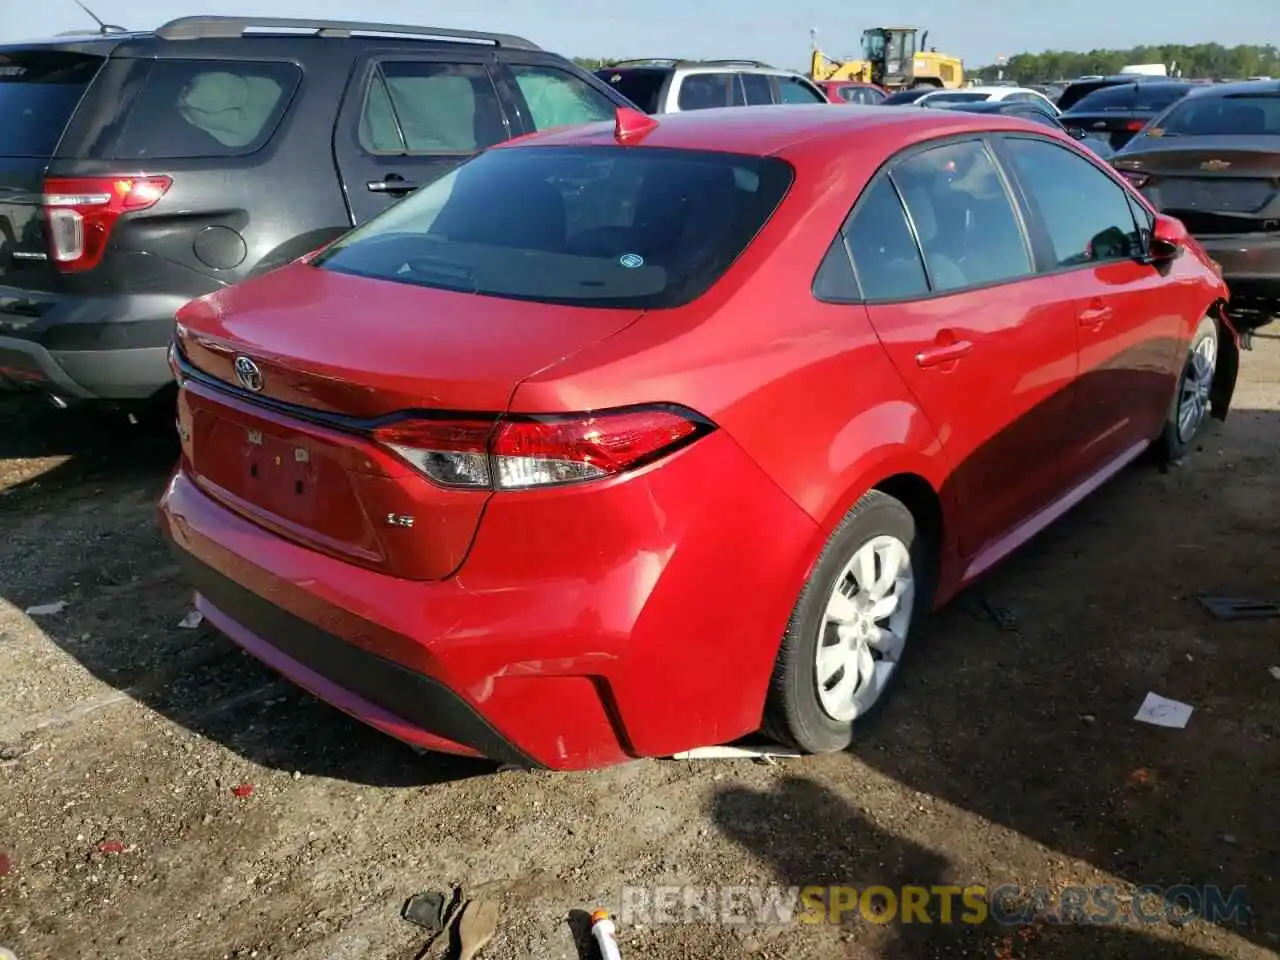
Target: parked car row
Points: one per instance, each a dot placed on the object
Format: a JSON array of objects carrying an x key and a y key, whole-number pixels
[{"x": 522, "y": 419}]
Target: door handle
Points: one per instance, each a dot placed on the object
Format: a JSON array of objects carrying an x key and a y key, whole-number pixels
[
  {"x": 943, "y": 353},
  {"x": 1095, "y": 316},
  {"x": 392, "y": 183}
]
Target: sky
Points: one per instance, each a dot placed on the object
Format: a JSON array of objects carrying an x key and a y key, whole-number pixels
[{"x": 776, "y": 31}]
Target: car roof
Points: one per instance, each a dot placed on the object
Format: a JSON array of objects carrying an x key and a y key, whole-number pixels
[
  {"x": 769, "y": 130},
  {"x": 1262, "y": 87},
  {"x": 989, "y": 89}
]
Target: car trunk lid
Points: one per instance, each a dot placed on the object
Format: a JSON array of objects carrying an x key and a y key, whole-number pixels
[
  {"x": 1215, "y": 185},
  {"x": 284, "y": 437}
]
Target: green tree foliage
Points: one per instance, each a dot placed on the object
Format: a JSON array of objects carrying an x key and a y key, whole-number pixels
[
  {"x": 595, "y": 63},
  {"x": 1201, "y": 60}
]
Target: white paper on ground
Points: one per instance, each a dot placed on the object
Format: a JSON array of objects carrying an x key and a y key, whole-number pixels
[
  {"x": 726, "y": 752},
  {"x": 191, "y": 620},
  {"x": 46, "y": 609},
  {"x": 1163, "y": 712}
]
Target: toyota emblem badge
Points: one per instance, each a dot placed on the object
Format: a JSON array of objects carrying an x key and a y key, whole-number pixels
[{"x": 248, "y": 374}]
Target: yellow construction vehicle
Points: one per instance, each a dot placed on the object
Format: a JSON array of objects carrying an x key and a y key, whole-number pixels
[{"x": 890, "y": 60}]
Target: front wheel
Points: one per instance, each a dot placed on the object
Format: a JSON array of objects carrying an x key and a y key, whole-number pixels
[
  {"x": 1191, "y": 402},
  {"x": 850, "y": 627}
]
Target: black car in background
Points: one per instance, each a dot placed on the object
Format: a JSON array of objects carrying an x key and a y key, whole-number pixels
[
  {"x": 904, "y": 97},
  {"x": 1036, "y": 113},
  {"x": 1119, "y": 111},
  {"x": 141, "y": 170},
  {"x": 1077, "y": 90},
  {"x": 1213, "y": 161}
]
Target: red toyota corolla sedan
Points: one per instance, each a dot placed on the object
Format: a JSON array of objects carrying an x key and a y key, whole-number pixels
[{"x": 633, "y": 437}]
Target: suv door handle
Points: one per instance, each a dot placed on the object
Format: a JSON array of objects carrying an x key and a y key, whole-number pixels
[
  {"x": 943, "y": 353},
  {"x": 392, "y": 183},
  {"x": 1095, "y": 316}
]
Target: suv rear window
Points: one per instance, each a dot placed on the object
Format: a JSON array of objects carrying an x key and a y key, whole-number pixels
[
  {"x": 602, "y": 227},
  {"x": 39, "y": 90},
  {"x": 1241, "y": 115},
  {"x": 1138, "y": 97},
  {"x": 206, "y": 108},
  {"x": 642, "y": 86}
]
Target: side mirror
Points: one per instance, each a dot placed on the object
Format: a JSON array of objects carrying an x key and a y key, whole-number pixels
[{"x": 1168, "y": 239}]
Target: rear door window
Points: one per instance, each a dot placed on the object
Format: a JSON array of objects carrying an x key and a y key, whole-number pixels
[
  {"x": 1086, "y": 214},
  {"x": 963, "y": 215},
  {"x": 601, "y": 226},
  {"x": 206, "y": 108},
  {"x": 557, "y": 98},
  {"x": 884, "y": 252},
  {"x": 431, "y": 107},
  {"x": 757, "y": 88},
  {"x": 39, "y": 90},
  {"x": 705, "y": 91},
  {"x": 795, "y": 90}
]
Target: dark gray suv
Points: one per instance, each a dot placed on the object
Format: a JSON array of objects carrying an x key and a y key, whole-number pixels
[{"x": 141, "y": 170}]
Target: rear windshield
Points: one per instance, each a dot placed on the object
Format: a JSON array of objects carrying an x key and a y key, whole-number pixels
[
  {"x": 1135, "y": 97},
  {"x": 641, "y": 86},
  {"x": 1239, "y": 115},
  {"x": 605, "y": 227},
  {"x": 39, "y": 90}
]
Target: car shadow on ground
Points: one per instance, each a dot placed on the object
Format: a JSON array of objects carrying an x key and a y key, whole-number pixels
[
  {"x": 1019, "y": 703},
  {"x": 810, "y": 836},
  {"x": 82, "y": 531}
]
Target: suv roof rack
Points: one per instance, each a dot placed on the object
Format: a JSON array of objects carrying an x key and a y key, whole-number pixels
[
  {"x": 680, "y": 62},
  {"x": 209, "y": 27},
  {"x": 733, "y": 63}
]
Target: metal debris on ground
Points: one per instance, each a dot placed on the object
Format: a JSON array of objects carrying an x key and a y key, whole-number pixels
[
  {"x": 46, "y": 609},
  {"x": 1163, "y": 712},
  {"x": 1240, "y": 608},
  {"x": 191, "y": 620},
  {"x": 426, "y": 910},
  {"x": 765, "y": 753}
]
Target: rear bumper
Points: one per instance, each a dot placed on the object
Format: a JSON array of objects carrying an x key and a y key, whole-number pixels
[
  {"x": 86, "y": 348},
  {"x": 1251, "y": 266},
  {"x": 643, "y": 620}
]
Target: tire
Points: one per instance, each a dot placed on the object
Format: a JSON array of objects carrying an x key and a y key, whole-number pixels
[
  {"x": 795, "y": 713},
  {"x": 1195, "y": 385},
  {"x": 916, "y": 85}
]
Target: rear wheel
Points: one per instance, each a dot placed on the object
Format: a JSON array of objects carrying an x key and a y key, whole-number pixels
[
  {"x": 850, "y": 628},
  {"x": 1191, "y": 402}
]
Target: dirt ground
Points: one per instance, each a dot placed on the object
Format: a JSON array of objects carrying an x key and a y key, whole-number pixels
[{"x": 1010, "y": 754}]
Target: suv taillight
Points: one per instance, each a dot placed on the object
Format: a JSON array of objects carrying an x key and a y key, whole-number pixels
[
  {"x": 81, "y": 212},
  {"x": 519, "y": 452}
]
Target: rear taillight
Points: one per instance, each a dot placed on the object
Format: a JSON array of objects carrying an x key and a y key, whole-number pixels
[
  {"x": 518, "y": 452},
  {"x": 1135, "y": 178},
  {"x": 81, "y": 211},
  {"x": 1135, "y": 126}
]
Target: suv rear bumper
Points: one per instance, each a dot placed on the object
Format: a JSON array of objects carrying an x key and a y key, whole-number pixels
[{"x": 86, "y": 348}]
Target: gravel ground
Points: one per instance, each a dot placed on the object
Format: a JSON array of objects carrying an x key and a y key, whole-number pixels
[{"x": 1009, "y": 755}]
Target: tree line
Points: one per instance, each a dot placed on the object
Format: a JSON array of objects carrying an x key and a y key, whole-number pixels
[
  {"x": 1201, "y": 60},
  {"x": 1211, "y": 60}
]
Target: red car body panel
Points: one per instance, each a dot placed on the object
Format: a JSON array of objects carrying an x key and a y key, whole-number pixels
[
  {"x": 639, "y": 615},
  {"x": 832, "y": 88}
]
